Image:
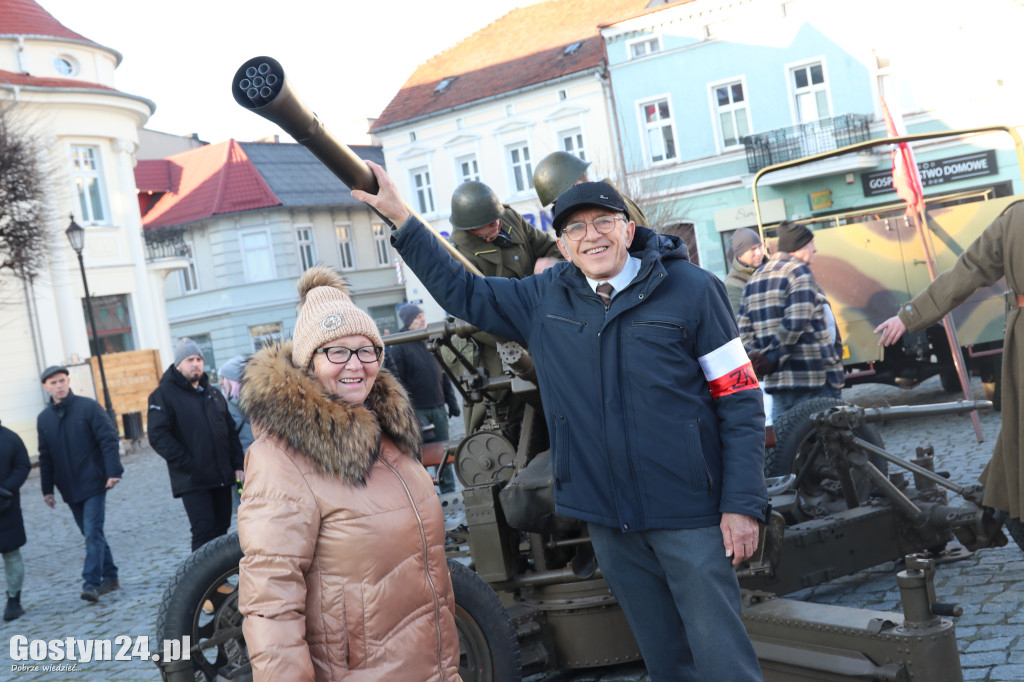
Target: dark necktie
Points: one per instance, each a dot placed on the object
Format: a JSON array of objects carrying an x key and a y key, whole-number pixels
[{"x": 604, "y": 290}]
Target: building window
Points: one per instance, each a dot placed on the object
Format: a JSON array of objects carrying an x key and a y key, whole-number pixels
[
  {"x": 257, "y": 257},
  {"x": 562, "y": 95},
  {"x": 307, "y": 250},
  {"x": 113, "y": 318},
  {"x": 468, "y": 169},
  {"x": 572, "y": 142},
  {"x": 412, "y": 136},
  {"x": 85, "y": 171},
  {"x": 522, "y": 168},
  {"x": 206, "y": 346},
  {"x": 382, "y": 247},
  {"x": 423, "y": 191},
  {"x": 885, "y": 77},
  {"x": 189, "y": 278},
  {"x": 263, "y": 335},
  {"x": 810, "y": 92},
  {"x": 733, "y": 117},
  {"x": 642, "y": 48},
  {"x": 661, "y": 141},
  {"x": 510, "y": 109},
  {"x": 346, "y": 248},
  {"x": 65, "y": 65}
]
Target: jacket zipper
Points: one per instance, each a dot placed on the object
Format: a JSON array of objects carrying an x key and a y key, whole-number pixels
[
  {"x": 560, "y": 318},
  {"x": 426, "y": 566}
]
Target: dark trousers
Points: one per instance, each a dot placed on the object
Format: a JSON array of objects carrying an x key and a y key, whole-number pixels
[
  {"x": 99, "y": 565},
  {"x": 682, "y": 601},
  {"x": 209, "y": 513}
]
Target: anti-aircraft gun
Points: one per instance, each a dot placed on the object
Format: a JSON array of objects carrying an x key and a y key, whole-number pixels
[{"x": 529, "y": 592}]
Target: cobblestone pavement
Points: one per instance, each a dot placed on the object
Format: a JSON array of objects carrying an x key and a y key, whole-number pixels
[{"x": 148, "y": 534}]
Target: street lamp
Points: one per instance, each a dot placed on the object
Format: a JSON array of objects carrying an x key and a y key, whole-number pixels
[{"x": 76, "y": 235}]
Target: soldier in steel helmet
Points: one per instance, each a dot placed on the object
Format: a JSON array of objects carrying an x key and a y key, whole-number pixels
[
  {"x": 559, "y": 171},
  {"x": 500, "y": 243}
]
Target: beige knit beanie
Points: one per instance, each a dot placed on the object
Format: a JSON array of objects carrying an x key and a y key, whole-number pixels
[{"x": 327, "y": 312}]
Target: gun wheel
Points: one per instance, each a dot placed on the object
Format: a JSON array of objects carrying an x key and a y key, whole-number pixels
[{"x": 488, "y": 643}]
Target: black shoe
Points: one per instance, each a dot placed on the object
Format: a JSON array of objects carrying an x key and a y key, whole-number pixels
[
  {"x": 109, "y": 586},
  {"x": 90, "y": 594},
  {"x": 13, "y": 609}
]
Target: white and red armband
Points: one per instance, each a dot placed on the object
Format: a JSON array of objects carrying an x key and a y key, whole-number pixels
[{"x": 728, "y": 370}]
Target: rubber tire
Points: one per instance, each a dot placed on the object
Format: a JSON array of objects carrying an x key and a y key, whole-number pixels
[
  {"x": 487, "y": 638},
  {"x": 950, "y": 381},
  {"x": 794, "y": 427},
  {"x": 1016, "y": 530},
  {"x": 196, "y": 578}
]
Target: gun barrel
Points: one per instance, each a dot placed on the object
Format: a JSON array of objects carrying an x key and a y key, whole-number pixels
[
  {"x": 446, "y": 328},
  {"x": 260, "y": 86},
  {"x": 880, "y": 414}
]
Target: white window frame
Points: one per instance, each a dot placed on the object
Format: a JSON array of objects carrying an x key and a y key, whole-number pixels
[
  {"x": 571, "y": 140},
  {"x": 88, "y": 186},
  {"x": 461, "y": 175},
  {"x": 795, "y": 94},
  {"x": 305, "y": 244},
  {"x": 382, "y": 244},
  {"x": 646, "y": 128},
  {"x": 650, "y": 45},
  {"x": 520, "y": 166},
  {"x": 259, "y": 339},
  {"x": 422, "y": 189},
  {"x": 732, "y": 108},
  {"x": 251, "y": 276},
  {"x": 346, "y": 246},
  {"x": 189, "y": 275}
]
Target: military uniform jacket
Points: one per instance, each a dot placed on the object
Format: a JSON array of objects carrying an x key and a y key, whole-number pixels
[
  {"x": 516, "y": 261},
  {"x": 998, "y": 252}
]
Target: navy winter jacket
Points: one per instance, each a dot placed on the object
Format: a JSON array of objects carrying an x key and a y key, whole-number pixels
[
  {"x": 638, "y": 440},
  {"x": 14, "y": 468},
  {"x": 78, "y": 448}
]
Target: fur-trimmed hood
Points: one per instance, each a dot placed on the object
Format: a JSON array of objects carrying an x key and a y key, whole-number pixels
[{"x": 340, "y": 438}]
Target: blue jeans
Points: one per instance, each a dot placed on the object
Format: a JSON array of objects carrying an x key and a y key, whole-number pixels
[
  {"x": 784, "y": 400},
  {"x": 99, "y": 562},
  {"x": 682, "y": 601}
]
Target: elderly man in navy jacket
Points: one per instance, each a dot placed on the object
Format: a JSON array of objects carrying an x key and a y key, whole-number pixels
[
  {"x": 656, "y": 423},
  {"x": 78, "y": 451}
]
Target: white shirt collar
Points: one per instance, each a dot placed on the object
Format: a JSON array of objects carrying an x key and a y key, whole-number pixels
[{"x": 620, "y": 281}]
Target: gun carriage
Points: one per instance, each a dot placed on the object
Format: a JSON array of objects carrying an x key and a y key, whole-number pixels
[{"x": 529, "y": 593}]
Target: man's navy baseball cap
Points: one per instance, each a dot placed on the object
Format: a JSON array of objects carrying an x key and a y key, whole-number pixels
[
  {"x": 51, "y": 370},
  {"x": 585, "y": 195}
]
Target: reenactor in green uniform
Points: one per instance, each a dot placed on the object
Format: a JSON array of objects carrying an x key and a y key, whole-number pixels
[
  {"x": 559, "y": 171},
  {"x": 500, "y": 243}
]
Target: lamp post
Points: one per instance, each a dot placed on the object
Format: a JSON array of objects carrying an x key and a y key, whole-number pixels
[{"x": 76, "y": 235}]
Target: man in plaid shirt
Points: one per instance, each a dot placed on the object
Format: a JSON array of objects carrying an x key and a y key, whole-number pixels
[{"x": 787, "y": 326}]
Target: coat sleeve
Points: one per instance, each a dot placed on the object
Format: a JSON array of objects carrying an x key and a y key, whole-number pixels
[
  {"x": 105, "y": 433},
  {"x": 45, "y": 459},
  {"x": 738, "y": 405},
  {"x": 160, "y": 425},
  {"x": 231, "y": 430},
  {"x": 20, "y": 465},
  {"x": 980, "y": 265},
  {"x": 278, "y": 526}
]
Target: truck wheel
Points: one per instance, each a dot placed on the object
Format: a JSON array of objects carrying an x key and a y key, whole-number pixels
[
  {"x": 797, "y": 440},
  {"x": 950, "y": 381},
  {"x": 201, "y": 602},
  {"x": 488, "y": 643},
  {"x": 1016, "y": 528}
]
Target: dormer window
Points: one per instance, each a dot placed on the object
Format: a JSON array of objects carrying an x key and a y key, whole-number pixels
[
  {"x": 65, "y": 66},
  {"x": 572, "y": 48},
  {"x": 443, "y": 85}
]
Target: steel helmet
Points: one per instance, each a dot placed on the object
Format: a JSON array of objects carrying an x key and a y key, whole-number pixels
[
  {"x": 556, "y": 173},
  {"x": 474, "y": 205}
]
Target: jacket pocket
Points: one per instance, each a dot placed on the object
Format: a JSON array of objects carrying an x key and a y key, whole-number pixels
[
  {"x": 561, "y": 449},
  {"x": 567, "y": 323},
  {"x": 698, "y": 475}
]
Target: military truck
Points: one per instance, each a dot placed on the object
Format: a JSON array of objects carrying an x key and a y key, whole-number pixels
[{"x": 871, "y": 259}]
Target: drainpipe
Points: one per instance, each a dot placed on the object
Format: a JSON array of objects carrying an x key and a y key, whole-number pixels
[{"x": 606, "y": 83}]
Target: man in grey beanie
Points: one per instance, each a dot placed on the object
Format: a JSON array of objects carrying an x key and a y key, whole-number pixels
[
  {"x": 747, "y": 256},
  {"x": 787, "y": 327},
  {"x": 190, "y": 427}
]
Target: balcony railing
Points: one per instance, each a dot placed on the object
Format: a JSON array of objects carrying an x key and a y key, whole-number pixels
[
  {"x": 805, "y": 139},
  {"x": 165, "y": 243}
]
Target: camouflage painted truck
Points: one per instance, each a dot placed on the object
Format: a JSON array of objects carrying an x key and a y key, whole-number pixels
[{"x": 871, "y": 260}]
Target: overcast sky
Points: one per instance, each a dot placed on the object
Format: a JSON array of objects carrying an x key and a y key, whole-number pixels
[{"x": 346, "y": 59}]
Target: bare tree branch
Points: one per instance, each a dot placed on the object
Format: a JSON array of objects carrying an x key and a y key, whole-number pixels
[{"x": 22, "y": 233}]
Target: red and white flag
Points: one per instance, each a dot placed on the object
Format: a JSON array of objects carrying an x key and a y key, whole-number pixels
[{"x": 905, "y": 178}]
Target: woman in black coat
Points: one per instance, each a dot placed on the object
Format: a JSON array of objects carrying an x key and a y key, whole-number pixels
[{"x": 14, "y": 468}]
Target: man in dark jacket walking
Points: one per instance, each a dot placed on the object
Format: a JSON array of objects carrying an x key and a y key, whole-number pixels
[
  {"x": 656, "y": 423},
  {"x": 78, "y": 451},
  {"x": 190, "y": 427},
  {"x": 14, "y": 468}
]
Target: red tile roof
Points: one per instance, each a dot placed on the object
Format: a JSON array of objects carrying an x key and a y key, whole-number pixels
[
  {"x": 212, "y": 180},
  {"x": 525, "y": 47},
  {"x": 24, "y": 79},
  {"x": 27, "y": 18}
]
